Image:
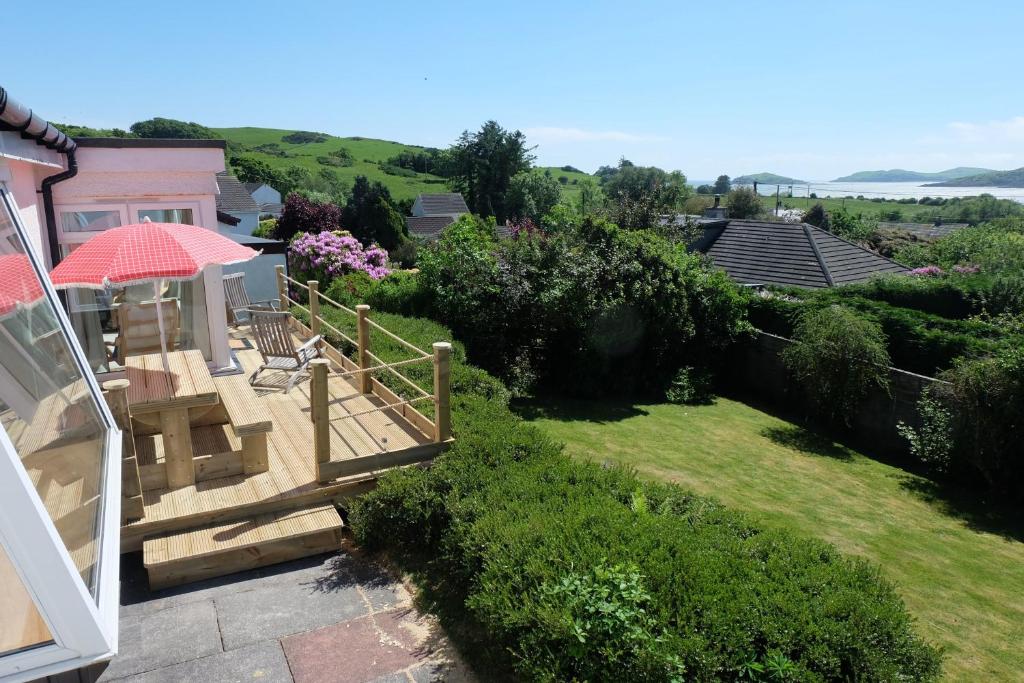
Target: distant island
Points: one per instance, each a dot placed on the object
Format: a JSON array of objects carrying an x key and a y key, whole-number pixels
[
  {"x": 1014, "y": 178},
  {"x": 767, "y": 179},
  {"x": 899, "y": 175}
]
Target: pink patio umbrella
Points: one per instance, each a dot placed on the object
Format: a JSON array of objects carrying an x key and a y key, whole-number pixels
[
  {"x": 147, "y": 252},
  {"x": 19, "y": 286}
]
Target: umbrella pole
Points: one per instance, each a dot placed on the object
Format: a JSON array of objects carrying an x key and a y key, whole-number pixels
[{"x": 160, "y": 323}]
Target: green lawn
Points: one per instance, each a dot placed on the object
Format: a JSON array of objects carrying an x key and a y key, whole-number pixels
[{"x": 964, "y": 585}]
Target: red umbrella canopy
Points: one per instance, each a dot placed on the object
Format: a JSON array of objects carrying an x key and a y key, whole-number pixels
[
  {"x": 146, "y": 252},
  {"x": 19, "y": 286}
]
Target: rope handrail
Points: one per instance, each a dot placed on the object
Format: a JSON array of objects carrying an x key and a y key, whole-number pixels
[
  {"x": 400, "y": 340},
  {"x": 335, "y": 303},
  {"x": 386, "y": 406},
  {"x": 382, "y": 366},
  {"x": 296, "y": 304},
  {"x": 398, "y": 374}
]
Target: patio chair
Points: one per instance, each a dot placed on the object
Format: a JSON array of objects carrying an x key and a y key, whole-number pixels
[
  {"x": 138, "y": 330},
  {"x": 237, "y": 300},
  {"x": 277, "y": 346}
]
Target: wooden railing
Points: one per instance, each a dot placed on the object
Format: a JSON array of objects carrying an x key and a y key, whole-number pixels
[{"x": 367, "y": 366}]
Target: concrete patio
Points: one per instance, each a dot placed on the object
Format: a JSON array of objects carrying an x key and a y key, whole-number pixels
[{"x": 337, "y": 617}]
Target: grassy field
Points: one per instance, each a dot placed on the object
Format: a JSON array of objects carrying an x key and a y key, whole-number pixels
[
  {"x": 368, "y": 154},
  {"x": 963, "y": 583},
  {"x": 866, "y": 207}
]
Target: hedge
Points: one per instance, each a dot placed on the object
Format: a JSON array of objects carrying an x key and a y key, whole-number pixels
[{"x": 561, "y": 569}]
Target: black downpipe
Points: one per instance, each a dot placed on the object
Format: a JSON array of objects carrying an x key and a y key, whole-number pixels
[{"x": 51, "y": 218}]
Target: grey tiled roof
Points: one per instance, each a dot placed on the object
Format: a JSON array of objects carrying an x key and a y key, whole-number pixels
[
  {"x": 427, "y": 227},
  {"x": 252, "y": 187},
  {"x": 755, "y": 252},
  {"x": 443, "y": 203},
  {"x": 233, "y": 195}
]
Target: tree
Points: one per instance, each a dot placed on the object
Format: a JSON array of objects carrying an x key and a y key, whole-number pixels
[
  {"x": 722, "y": 185},
  {"x": 371, "y": 216},
  {"x": 705, "y": 189},
  {"x": 172, "y": 128},
  {"x": 639, "y": 195},
  {"x": 590, "y": 197},
  {"x": 816, "y": 216},
  {"x": 743, "y": 202},
  {"x": 305, "y": 215},
  {"x": 249, "y": 169},
  {"x": 532, "y": 195},
  {"x": 481, "y": 166},
  {"x": 838, "y": 357}
]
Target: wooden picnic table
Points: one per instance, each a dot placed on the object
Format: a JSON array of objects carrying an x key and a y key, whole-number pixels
[{"x": 153, "y": 389}]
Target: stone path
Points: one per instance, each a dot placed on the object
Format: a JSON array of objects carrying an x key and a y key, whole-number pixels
[{"x": 336, "y": 618}]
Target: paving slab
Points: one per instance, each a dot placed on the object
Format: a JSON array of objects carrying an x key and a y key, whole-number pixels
[
  {"x": 169, "y": 636},
  {"x": 356, "y": 651},
  {"x": 260, "y": 662}
]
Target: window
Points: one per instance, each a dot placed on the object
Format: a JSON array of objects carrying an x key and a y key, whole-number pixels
[
  {"x": 59, "y": 477},
  {"x": 89, "y": 221},
  {"x": 167, "y": 215}
]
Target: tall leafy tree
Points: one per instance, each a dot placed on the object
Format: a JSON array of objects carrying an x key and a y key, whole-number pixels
[
  {"x": 301, "y": 214},
  {"x": 532, "y": 195},
  {"x": 481, "y": 166},
  {"x": 723, "y": 184},
  {"x": 249, "y": 169},
  {"x": 371, "y": 216},
  {"x": 172, "y": 128},
  {"x": 639, "y": 195}
]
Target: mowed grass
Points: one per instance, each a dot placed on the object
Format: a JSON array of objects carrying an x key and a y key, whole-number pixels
[
  {"x": 965, "y": 586},
  {"x": 367, "y": 153}
]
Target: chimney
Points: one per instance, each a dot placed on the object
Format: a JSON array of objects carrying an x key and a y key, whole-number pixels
[{"x": 717, "y": 211}]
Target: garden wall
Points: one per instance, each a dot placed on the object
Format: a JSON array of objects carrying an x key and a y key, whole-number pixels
[{"x": 761, "y": 372}]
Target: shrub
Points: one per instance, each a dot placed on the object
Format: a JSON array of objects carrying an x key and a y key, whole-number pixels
[
  {"x": 690, "y": 385},
  {"x": 327, "y": 255},
  {"x": 743, "y": 202},
  {"x": 305, "y": 215},
  {"x": 838, "y": 357},
  {"x": 985, "y": 398},
  {"x": 931, "y": 442},
  {"x": 565, "y": 570},
  {"x": 304, "y": 137},
  {"x": 266, "y": 228}
]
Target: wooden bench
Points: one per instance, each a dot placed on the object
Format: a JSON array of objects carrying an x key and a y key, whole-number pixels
[{"x": 249, "y": 420}]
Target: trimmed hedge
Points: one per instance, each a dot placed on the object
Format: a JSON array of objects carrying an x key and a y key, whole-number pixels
[
  {"x": 565, "y": 570},
  {"x": 920, "y": 342}
]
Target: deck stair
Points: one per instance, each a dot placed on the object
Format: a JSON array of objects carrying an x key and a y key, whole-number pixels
[{"x": 219, "y": 549}]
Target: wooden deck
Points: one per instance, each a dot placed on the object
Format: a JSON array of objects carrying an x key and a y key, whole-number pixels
[{"x": 361, "y": 447}]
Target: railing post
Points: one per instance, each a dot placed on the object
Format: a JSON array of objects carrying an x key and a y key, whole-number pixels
[
  {"x": 314, "y": 306},
  {"x": 282, "y": 287},
  {"x": 442, "y": 400},
  {"x": 365, "y": 381},
  {"x": 320, "y": 414}
]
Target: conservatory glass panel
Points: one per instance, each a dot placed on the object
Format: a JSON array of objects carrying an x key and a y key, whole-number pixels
[
  {"x": 22, "y": 626},
  {"x": 47, "y": 408}
]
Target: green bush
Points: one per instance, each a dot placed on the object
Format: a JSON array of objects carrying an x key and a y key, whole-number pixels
[
  {"x": 565, "y": 570},
  {"x": 838, "y": 357}
]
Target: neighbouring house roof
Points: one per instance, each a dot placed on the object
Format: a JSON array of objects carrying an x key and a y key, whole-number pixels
[
  {"x": 151, "y": 143},
  {"x": 260, "y": 244},
  {"x": 227, "y": 218},
  {"x": 756, "y": 253},
  {"x": 273, "y": 208},
  {"x": 252, "y": 187},
  {"x": 922, "y": 229},
  {"x": 233, "y": 196},
  {"x": 427, "y": 227},
  {"x": 441, "y": 204}
]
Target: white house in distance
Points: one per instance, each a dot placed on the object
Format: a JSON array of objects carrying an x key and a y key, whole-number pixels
[
  {"x": 234, "y": 200},
  {"x": 268, "y": 199}
]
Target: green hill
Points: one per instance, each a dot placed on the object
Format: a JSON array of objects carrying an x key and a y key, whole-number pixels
[
  {"x": 899, "y": 175},
  {"x": 368, "y": 157},
  {"x": 767, "y": 179},
  {"x": 1014, "y": 178}
]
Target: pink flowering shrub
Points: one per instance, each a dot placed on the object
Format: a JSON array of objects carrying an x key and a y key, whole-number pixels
[
  {"x": 928, "y": 271},
  {"x": 326, "y": 255}
]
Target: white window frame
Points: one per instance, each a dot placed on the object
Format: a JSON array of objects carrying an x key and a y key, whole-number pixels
[
  {"x": 84, "y": 628},
  {"x": 85, "y": 235}
]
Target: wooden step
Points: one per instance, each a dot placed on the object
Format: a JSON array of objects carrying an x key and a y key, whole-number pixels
[
  {"x": 216, "y": 452},
  {"x": 219, "y": 549}
]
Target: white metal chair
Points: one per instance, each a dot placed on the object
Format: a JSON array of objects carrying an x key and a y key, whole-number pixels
[
  {"x": 277, "y": 346},
  {"x": 237, "y": 299}
]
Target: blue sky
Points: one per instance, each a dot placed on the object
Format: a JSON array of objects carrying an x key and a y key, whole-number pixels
[{"x": 812, "y": 90}]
